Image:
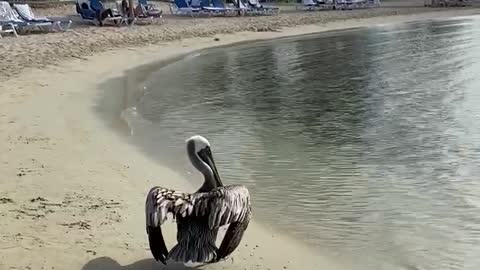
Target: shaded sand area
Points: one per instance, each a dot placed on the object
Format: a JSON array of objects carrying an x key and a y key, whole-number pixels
[{"x": 71, "y": 189}]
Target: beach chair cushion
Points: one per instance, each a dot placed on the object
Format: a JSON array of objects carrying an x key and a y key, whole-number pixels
[
  {"x": 205, "y": 5},
  {"x": 182, "y": 6},
  {"x": 84, "y": 10},
  {"x": 142, "y": 12},
  {"x": 7, "y": 14},
  {"x": 256, "y": 4},
  {"x": 149, "y": 7},
  {"x": 27, "y": 14},
  {"x": 309, "y": 3},
  {"x": 96, "y": 5}
]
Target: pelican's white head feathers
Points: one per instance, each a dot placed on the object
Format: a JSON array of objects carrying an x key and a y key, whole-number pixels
[{"x": 199, "y": 142}]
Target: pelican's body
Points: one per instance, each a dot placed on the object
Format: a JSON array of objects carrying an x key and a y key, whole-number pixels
[{"x": 198, "y": 215}]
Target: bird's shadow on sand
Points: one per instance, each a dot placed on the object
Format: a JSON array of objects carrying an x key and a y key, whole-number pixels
[{"x": 106, "y": 263}]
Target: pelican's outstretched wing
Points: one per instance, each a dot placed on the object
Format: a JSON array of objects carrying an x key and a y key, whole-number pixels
[
  {"x": 226, "y": 205},
  {"x": 232, "y": 237},
  {"x": 223, "y": 205},
  {"x": 153, "y": 223}
]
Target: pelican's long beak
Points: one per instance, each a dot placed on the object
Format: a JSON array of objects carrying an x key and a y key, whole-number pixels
[{"x": 206, "y": 155}]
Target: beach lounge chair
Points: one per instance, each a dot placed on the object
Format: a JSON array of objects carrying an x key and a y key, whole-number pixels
[
  {"x": 83, "y": 9},
  {"x": 181, "y": 7},
  {"x": 373, "y": 3},
  {"x": 94, "y": 11},
  {"x": 349, "y": 4},
  {"x": 106, "y": 14},
  {"x": 149, "y": 10},
  {"x": 143, "y": 15},
  {"x": 8, "y": 19},
  {"x": 139, "y": 15},
  {"x": 326, "y": 4},
  {"x": 11, "y": 26},
  {"x": 244, "y": 8},
  {"x": 266, "y": 10},
  {"x": 124, "y": 13},
  {"x": 206, "y": 8},
  {"x": 342, "y": 4},
  {"x": 26, "y": 13},
  {"x": 228, "y": 10},
  {"x": 360, "y": 3},
  {"x": 8, "y": 28},
  {"x": 9, "y": 16},
  {"x": 307, "y": 5}
]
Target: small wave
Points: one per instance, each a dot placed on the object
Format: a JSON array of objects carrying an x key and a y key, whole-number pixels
[
  {"x": 193, "y": 55},
  {"x": 134, "y": 119}
]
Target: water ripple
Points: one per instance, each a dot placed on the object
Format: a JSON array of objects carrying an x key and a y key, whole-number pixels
[{"x": 364, "y": 144}]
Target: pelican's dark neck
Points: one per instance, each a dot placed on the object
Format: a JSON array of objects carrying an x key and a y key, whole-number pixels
[
  {"x": 209, "y": 179},
  {"x": 208, "y": 185}
]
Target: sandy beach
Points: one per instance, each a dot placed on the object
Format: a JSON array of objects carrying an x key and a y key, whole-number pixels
[{"x": 72, "y": 189}]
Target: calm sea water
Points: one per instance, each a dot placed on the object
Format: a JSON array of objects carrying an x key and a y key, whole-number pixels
[{"x": 364, "y": 144}]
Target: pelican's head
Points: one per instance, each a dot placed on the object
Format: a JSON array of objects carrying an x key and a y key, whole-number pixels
[
  {"x": 198, "y": 149},
  {"x": 199, "y": 142}
]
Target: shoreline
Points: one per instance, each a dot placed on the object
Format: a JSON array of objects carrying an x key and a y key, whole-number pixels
[
  {"x": 73, "y": 184},
  {"x": 82, "y": 42}
]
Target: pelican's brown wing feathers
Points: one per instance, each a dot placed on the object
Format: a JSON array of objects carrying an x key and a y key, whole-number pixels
[
  {"x": 222, "y": 205},
  {"x": 227, "y": 205},
  {"x": 153, "y": 225}
]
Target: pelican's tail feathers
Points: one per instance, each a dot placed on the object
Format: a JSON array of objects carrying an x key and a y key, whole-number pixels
[{"x": 194, "y": 252}]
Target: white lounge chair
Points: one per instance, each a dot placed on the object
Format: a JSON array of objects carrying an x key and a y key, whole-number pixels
[
  {"x": 316, "y": 5},
  {"x": 265, "y": 10},
  {"x": 244, "y": 9},
  {"x": 149, "y": 10},
  {"x": 342, "y": 4},
  {"x": 26, "y": 13},
  {"x": 8, "y": 16},
  {"x": 307, "y": 5},
  {"x": 8, "y": 28}
]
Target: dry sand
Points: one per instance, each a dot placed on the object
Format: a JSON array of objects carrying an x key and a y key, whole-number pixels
[{"x": 71, "y": 189}]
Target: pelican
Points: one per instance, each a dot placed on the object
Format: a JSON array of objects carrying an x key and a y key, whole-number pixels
[{"x": 198, "y": 215}]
